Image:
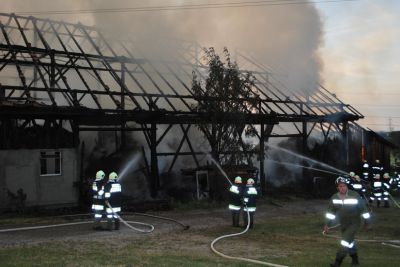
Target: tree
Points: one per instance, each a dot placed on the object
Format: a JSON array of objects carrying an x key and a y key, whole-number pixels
[{"x": 226, "y": 93}]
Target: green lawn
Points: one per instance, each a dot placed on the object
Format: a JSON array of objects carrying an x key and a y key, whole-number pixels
[{"x": 293, "y": 241}]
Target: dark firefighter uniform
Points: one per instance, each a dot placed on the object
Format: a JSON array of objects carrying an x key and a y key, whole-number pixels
[
  {"x": 395, "y": 182},
  {"x": 386, "y": 186},
  {"x": 347, "y": 210},
  {"x": 249, "y": 199},
  {"x": 377, "y": 168},
  {"x": 98, "y": 204},
  {"x": 235, "y": 200},
  {"x": 113, "y": 195},
  {"x": 356, "y": 184},
  {"x": 377, "y": 190},
  {"x": 365, "y": 171}
]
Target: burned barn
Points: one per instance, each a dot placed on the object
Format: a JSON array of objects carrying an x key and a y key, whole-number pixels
[{"x": 63, "y": 83}]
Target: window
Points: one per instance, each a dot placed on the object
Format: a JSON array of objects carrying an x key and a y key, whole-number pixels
[{"x": 50, "y": 163}]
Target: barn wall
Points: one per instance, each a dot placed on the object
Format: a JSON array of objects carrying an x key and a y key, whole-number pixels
[{"x": 21, "y": 169}]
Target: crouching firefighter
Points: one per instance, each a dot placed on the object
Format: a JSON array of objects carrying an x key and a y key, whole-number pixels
[
  {"x": 98, "y": 199},
  {"x": 346, "y": 208},
  {"x": 113, "y": 196},
  {"x": 249, "y": 199},
  {"x": 235, "y": 200}
]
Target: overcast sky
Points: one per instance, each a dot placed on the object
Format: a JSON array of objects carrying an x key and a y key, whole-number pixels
[
  {"x": 361, "y": 53},
  {"x": 352, "y": 47}
]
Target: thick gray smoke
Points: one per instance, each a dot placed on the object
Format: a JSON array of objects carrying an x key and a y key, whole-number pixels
[{"x": 286, "y": 38}]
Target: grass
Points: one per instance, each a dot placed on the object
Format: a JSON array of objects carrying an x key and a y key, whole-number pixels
[{"x": 293, "y": 241}]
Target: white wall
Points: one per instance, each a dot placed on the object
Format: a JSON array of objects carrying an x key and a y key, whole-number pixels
[{"x": 21, "y": 169}]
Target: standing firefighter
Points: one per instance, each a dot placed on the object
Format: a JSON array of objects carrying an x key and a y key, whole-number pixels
[
  {"x": 235, "y": 200},
  {"x": 377, "y": 190},
  {"x": 113, "y": 197},
  {"x": 249, "y": 198},
  {"x": 346, "y": 208},
  {"x": 98, "y": 199},
  {"x": 365, "y": 171},
  {"x": 386, "y": 186},
  {"x": 357, "y": 185}
]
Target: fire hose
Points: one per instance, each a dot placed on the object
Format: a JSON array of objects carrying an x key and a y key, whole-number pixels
[
  {"x": 382, "y": 241},
  {"x": 128, "y": 225},
  {"x": 185, "y": 227},
  {"x": 41, "y": 227},
  {"x": 394, "y": 201},
  {"x": 240, "y": 258}
]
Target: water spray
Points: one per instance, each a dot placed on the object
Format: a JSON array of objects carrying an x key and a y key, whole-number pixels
[
  {"x": 301, "y": 166},
  {"x": 219, "y": 167},
  {"x": 307, "y": 158},
  {"x": 130, "y": 163}
]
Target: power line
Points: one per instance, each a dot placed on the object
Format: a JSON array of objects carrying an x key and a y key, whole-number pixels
[{"x": 184, "y": 7}]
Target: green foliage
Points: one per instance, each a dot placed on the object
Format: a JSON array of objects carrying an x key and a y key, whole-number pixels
[{"x": 227, "y": 94}]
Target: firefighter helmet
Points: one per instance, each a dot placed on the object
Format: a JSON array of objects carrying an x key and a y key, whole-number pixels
[
  {"x": 100, "y": 175},
  {"x": 238, "y": 180},
  {"x": 352, "y": 174},
  {"x": 250, "y": 181},
  {"x": 113, "y": 176},
  {"x": 386, "y": 175},
  {"x": 340, "y": 180}
]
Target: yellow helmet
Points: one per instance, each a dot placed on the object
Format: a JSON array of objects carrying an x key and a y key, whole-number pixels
[
  {"x": 113, "y": 176},
  {"x": 100, "y": 175},
  {"x": 238, "y": 180}
]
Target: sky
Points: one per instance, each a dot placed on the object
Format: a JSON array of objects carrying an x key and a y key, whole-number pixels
[
  {"x": 360, "y": 53},
  {"x": 351, "y": 47}
]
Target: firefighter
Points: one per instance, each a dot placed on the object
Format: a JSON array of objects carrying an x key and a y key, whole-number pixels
[
  {"x": 346, "y": 208},
  {"x": 113, "y": 196},
  {"x": 377, "y": 168},
  {"x": 395, "y": 181},
  {"x": 365, "y": 171},
  {"x": 385, "y": 189},
  {"x": 357, "y": 185},
  {"x": 249, "y": 200},
  {"x": 377, "y": 190},
  {"x": 98, "y": 199},
  {"x": 235, "y": 200}
]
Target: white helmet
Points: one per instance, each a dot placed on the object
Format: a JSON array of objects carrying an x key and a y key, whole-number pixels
[
  {"x": 113, "y": 176},
  {"x": 238, "y": 180},
  {"x": 100, "y": 175},
  {"x": 341, "y": 180},
  {"x": 250, "y": 181}
]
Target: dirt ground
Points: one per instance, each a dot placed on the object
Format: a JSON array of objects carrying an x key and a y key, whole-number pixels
[{"x": 196, "y": 219}]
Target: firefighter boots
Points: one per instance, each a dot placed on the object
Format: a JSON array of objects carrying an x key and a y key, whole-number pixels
[
  {"x": 117, "y": 224},
  {"x": 354, "y": 260}
]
